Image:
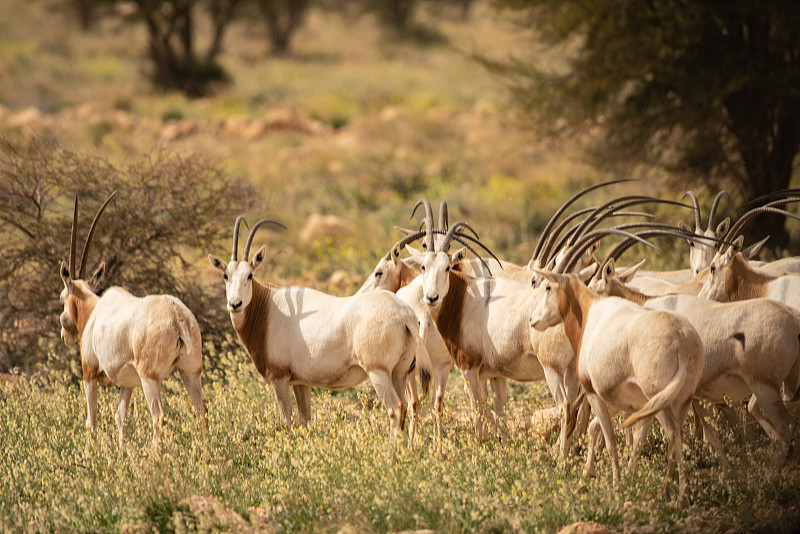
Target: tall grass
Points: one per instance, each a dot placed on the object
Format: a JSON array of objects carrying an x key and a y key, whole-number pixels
[{"x": 341, "y": 473}]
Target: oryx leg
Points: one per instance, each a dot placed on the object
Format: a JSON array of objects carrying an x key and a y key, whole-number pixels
[
  {"x": 557, "y": 388},
  {"x": 594, "y": 433},
  {"x": 500, "y": 395},
  {"x": 476, "y": 389},
  {"x": 639, "y": 435},
  {"x": 284, "y": 398},
  {"x": 414, "y": 407},
  {"x": 601, "y": 412},
  {"x": 439, "y": 379},
  {"x": 152, "y": 393},
  {"x": 400, "y": 376},
  {"x": 385, "y": 389},
  {"x": 671, "y": 420},
  {"x": 768, "y": 409},
  {"x": 709, "y": 432},
  {"x": 122, "y": 411},
  {"x": 90, "y": 389},
  {"x": 302, "y": 395},
  {"x": 194, "y": 387}
]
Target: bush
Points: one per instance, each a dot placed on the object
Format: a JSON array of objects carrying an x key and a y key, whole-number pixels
[{"x": 169, "y": 211}]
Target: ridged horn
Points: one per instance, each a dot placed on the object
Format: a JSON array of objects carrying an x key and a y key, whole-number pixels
[
  {"x": 235, "y": 249},
  {"x": 428, "y": 222},
  {"x": 714, "y": 207},
  {"x": 73, "y": 240},
  {"x": 698, "y": 222},
  {"x": 397, "y": 247},
  {"x": 443, "y": 215},
  {"x": 246, "y": 252},
  {"x": 85, "y": 253}
]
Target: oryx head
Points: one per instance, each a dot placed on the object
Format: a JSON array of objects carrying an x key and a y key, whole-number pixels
[
  {"x": 238, "y": 275},
  {"x": 76, "y": 289},
  {"x": 548, "y": 309},
  {"x": 701, "y": 251},
  {"x": 715, "y": 286}
]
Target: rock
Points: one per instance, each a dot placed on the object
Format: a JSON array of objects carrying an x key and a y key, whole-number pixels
[
  {"x": 589, "y": 527},
  {"x": 322, "y": 226}
]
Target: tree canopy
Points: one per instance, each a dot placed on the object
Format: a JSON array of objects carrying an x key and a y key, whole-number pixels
[{"x": 708, "y": 90}]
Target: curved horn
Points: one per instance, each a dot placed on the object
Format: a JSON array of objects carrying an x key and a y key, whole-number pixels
[
  {"x": 428, "y": 222},
  {"x": 452, "y": 230},
  {"x": 460, "y": 237},
  {"x": 443, "y": 215},
  {"x": 73, "y": 239},
  {"x": 714, "y": 207},
  {"x": 627, "y": 243},
  {"x": 235, "y": 250},
  {"x": 246, "y": 252},
  {"x": 397, "y": 247},
  {"x": 562, "y": 209},
  {"x": 739, "y": 225},
  {"x": 587, "y": 240},
  {"x": 697, "y": 219},
  {"x": 85, "y": 253}
]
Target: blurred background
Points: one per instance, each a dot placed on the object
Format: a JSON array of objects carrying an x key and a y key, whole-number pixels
[{"x": 336, "y": 116}]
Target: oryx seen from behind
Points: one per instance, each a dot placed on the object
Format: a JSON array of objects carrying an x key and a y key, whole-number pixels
[
  {"x": 134, "y": 341},
  {"x": 299, "y": 337}
]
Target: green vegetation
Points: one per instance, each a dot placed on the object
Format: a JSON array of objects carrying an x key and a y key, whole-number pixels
[{"x": 342, "y": 471}]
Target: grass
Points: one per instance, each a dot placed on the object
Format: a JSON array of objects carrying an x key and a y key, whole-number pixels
[{"x": 341, "y": 473}]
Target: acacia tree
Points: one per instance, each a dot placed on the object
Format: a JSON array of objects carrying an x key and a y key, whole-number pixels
[
  {"x": 283, "y": 18},
  {"x": 168, "y": 209},
  {"x": 709, "y": 90},
  {"x": 173, "y": 45}
]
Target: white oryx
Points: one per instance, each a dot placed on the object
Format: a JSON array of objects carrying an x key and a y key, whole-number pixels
[
  {"x": 300, "y": 337},
  {"x": 751, "y": 348},
  {"x": 135, "y": 342},
  {"x": 628, "y": 359}
]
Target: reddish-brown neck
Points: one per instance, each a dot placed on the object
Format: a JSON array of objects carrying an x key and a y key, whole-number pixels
[
  {"x": 743, "y": 283},
  {"x": 574, "y": 302},
  {"x": 81, "y": 304}
]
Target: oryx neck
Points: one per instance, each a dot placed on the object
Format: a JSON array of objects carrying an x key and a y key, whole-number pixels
[
  {"x": 618, "y": 289},
  {"x": 82, "y": 302},
  {"x": 744, "y": 283},
  {"x": 253, "y": 325},
  {"x": 449, "y": 320},
  {"x": 574, "y": 304}
]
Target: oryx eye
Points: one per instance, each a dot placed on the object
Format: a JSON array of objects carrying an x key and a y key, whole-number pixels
[
  {"x": 713, "y": 269},
  {"x": 378, "y": 274},
  {"x": 250, "y": 276},
  {"x": 423, "y": 267},
  {"x": 447, "y": 269},
  {"x": 691, "y": 243},
  {"x": 225, "y": 276},
  {"x": 547, "y": 289}
]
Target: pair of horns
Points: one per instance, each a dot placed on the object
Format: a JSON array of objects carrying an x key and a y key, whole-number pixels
[
  {"x": 74, "y": 238},
  {"x": 246, "y": 253},
  {"x": 698, "y": 220}
]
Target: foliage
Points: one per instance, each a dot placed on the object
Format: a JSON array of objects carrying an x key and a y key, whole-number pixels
[
  {"x": 705, "y": 89},
  {"x": 168, "y": 210},
  {"x": 283, "y": 18},
  {"x": 341, "y": 472}
]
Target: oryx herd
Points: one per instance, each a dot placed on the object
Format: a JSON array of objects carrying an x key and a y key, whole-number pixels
[{"x": 647, "y": 344}]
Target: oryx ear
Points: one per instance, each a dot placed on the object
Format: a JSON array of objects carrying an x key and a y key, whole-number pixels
[
  {"x": 735, "y": 246},
  {"x": 458, "y": 256},
  {"x": 98, "y": 275},
  {"x": 553, "y": 277},
  {"x": 609, "y": 270},
  {"x": 592, "y": 249},
  {"x": 416, "y": 254},
  {"x": 750, "y": 252},
  {"x": 217, "y": 263},
  {"x": 722, "y": 228},
  {"x": 405, "y": 231},
  {"x": 682, "y": 225},
  {"x": 630, "y": 272},
  {"x": 65, "y": 277},
  {"x": 258, "y": 257},
  {"x": 586, "y": 274}
]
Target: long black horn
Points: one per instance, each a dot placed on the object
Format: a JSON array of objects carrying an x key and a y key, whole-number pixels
[
  {"x": 246, "y": 253},
  {"x": 697, "y": 219},
  {"x": 461, "y": 237},
  {"x": 714, "y": 207},
  {"x": 571, "y": 258},
  {"x": 563, "y": 208},
  {"x": 235, "y": 249},
  {"x": 85, "y": 253},
  {"x": 73, "y": 239},
  {"x": 747, "y": 217}
]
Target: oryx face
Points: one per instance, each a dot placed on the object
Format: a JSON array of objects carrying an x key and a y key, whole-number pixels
[
  {"x": 714, "y": 286},
  {"x": 435, "y": 277},
  {"x": 546, "y": 311},
  {"x": 238, "y": 276},
  {"x": 386, "y": 275}
]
